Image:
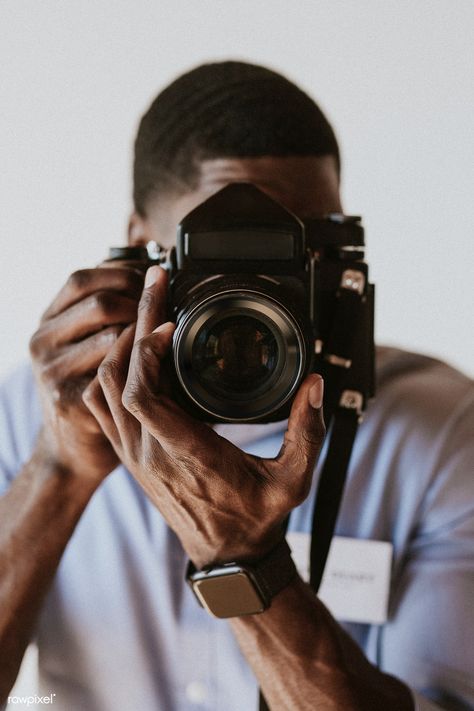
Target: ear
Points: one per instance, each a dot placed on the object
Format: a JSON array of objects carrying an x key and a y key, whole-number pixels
[{"x": 139, "y": 230}]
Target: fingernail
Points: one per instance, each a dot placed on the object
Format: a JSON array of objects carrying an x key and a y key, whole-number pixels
[
  {"x": 316, "y": 393},
  {"x": 151, "y": 275}
]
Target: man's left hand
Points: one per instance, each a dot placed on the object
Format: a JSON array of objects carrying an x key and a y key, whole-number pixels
[{"x": 222, "y": 503}]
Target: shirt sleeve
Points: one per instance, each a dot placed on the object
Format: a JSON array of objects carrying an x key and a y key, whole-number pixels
[
  {"x": 20, "y": 420},
  {"x": 429, "y": 639}
]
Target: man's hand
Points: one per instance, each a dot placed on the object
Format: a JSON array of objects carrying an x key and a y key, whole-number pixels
[
  {"x": 75, "y": 333},
  {"x": 222, "y": 503}
]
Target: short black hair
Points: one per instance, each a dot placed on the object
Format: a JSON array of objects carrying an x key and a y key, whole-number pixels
[{"x": 223, "y": 109}]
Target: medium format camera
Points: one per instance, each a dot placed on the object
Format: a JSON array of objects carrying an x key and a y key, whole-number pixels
[{"x": 260, "y": 299}]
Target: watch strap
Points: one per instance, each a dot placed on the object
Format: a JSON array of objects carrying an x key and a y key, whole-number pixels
[
  {"x": 271, "y": 574},
  {"x": 275, "y": 571}
]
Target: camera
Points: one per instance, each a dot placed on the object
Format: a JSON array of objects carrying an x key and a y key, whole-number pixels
[{"x": 261, "y": 299}]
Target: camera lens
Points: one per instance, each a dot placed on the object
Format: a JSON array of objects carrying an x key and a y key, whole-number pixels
[{"x": 239, "y": 355}]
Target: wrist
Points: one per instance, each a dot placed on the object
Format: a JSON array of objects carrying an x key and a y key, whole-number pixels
[
  {"x": 242, "y": 547},
  {"x": 49, "y": 468}
]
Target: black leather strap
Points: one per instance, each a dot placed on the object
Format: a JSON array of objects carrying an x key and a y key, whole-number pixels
[{"x": 330, "y": 489}]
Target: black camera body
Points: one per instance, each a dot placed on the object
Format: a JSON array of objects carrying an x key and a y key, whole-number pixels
[{"x": 260, "y": 299}]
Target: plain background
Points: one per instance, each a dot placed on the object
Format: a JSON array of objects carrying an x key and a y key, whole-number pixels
[{"x": 394, "y": 77}]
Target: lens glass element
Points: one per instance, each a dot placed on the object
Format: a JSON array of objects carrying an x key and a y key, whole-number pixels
[
  {"x": 239, "y": 354},
  {"x": 236, "y": 357}
]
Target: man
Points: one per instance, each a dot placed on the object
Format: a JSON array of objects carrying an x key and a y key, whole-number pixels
[{"x": 93, "y": 562}]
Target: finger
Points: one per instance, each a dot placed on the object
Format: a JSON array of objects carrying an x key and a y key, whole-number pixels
[
  {"x": 94, "y": 399},
  {"x": 149, "y": 350},
  {"x": 112, "y": 376},
  {"x": 305, "y": 432},
  {"x": 100, "y": 310},
  {"x": 172, "y": 428},
  {"x": 152, "y": 305},
  {"x": 142, "y": 396},
  {"x": 146, "y": 362},
  {"x": 82, "y": 357},
  {"x": 85, "y": 282}
]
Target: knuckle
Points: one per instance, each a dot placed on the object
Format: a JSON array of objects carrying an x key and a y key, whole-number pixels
[
  {"x": 104, "y": 302},
  {"x": 79, "y": 279},
  {"x": 88, "y": 395},
  {"x": 133, "y": 398},
  {"x": 62, "y": 395},
  {"x": 150, "y": 349},
  {"x": 91, "y": 392},
  {"x": 66, "y": 393},
  {"x": 137, "y": 397},
  {"x": 57, "y": 392},
  {"x": 108, "y": 373},
  {"x": 49, "y": 373},
  {"x": 133, "y": 280},
  {"x": 145, "y": 350},
  {"x": 36, "y": 344}
]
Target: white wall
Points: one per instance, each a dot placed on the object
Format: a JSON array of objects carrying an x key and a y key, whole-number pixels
[{"x": 395, "y": 77}]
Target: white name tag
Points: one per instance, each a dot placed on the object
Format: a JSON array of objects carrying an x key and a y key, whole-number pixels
[{"x": 356, "y": 580}]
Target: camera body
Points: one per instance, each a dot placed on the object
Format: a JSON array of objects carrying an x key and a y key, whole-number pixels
[{"x": 260, "y": 299}]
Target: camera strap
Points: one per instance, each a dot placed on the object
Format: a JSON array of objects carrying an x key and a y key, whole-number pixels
[
  {"x": 330, "y": 489},
  {"x": 342, "y": 433}
]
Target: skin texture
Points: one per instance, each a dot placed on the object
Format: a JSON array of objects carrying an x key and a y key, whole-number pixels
[
  {"x": 306, "y": 185},
  {"x": 226, "y": 505},
  {"x": 211, "y": 493},
  {"x": 72, "y": 455},
  {"x": 222, "y": 503},
  {"x": 75, "y": 334}
]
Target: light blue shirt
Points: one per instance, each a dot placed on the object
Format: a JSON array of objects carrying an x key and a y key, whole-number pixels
[{"x": 121, "y": 631}]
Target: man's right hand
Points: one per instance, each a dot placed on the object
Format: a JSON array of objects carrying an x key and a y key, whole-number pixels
[{"x": 75, "y": 333}]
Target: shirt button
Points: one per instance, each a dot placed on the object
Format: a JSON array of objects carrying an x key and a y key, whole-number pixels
[{"x": 196, "y": 692}]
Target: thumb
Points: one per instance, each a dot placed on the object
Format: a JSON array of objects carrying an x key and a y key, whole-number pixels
[{"x": 305, "y": 432}]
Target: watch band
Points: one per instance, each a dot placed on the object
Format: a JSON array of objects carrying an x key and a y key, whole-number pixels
[{"x": 276, "y": 570}]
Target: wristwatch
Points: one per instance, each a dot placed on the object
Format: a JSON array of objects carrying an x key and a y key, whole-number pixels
[{"x": 240, "y": 588}]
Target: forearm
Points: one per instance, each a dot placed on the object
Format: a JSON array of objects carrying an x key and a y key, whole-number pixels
[
  {"x": 38, "y": 515},
  {"x": 304, "y": 660}
]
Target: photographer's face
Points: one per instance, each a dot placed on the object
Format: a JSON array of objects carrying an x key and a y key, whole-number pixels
[{"x": 308, "y": 186}]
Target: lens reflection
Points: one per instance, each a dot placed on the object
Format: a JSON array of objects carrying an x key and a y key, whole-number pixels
[{"x": 235, "y": 357}]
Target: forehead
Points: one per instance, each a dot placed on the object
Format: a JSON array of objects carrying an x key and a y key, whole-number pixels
[{"x": 306, "y": 185}]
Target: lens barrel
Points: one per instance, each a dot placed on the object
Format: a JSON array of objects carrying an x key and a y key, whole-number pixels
[{"x": 239, "y": 354}]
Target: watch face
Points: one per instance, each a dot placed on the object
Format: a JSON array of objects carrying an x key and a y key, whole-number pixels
[{"x": 229, "y": 593}]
